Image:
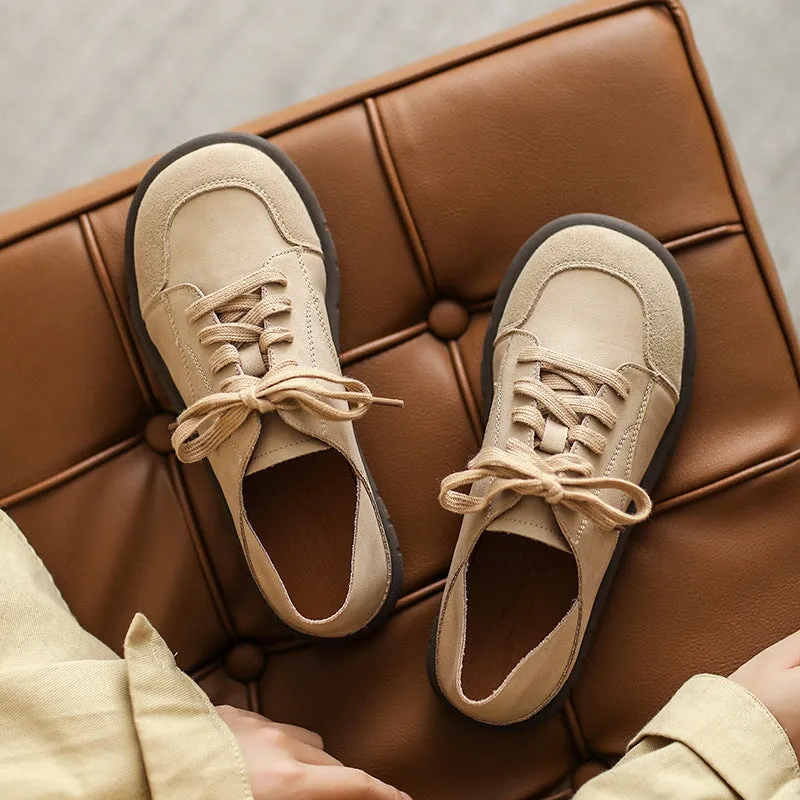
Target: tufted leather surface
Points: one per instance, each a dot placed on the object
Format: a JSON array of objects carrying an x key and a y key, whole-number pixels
[{"x": 431, "y": 179}]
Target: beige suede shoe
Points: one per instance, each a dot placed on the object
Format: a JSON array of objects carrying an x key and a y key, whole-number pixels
[
  {"x": 587, "y": 373},
  {"x": 234, "y": 291}
]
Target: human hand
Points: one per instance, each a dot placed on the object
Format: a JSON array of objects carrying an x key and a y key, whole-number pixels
[
  {"x": 289, "y": 763},
  {"x": 773, "y": 676}
]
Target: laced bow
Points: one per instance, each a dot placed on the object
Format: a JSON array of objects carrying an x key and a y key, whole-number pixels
[
  {"x": 243, "y": 310},
  {"x": 562, "y": 478}
]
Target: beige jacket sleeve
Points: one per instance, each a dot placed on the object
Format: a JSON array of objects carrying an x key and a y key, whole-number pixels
[
  {"x": 713, "y": 741},
  {"x": 78, "y": 721}
]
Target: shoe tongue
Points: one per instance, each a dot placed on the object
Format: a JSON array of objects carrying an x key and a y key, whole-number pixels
[
  {"x": 554, "y": 437},
  {"x": 532, "y": 518},
  {"x": 279, "y": 442}
]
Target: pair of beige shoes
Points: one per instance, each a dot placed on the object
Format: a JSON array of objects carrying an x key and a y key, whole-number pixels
[{"x": 586, "y": 375}]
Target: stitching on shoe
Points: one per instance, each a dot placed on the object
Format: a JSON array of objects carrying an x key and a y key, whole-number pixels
[
  {"x": 223, "y": 182},
  {"x": 637, "y": 428},
  {"x": 181, "y": 346},
  {"x": 563, "y": 266}
]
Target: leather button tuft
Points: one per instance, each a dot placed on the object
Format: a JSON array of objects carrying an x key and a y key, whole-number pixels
[
  {"x": 586, "y": 772},
  {"x": 448, "y": 319},
  {"x": 157, "y": 433},
  {"x": 245, "y": 662}
]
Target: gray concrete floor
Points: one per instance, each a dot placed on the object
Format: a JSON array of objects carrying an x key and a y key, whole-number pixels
[{"x": 88, "y": 87}]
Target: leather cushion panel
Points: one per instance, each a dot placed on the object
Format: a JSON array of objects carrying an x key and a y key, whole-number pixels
[
  {"x": 68, "y": 390},
  {"x": 746, "y": 403},
  {"x": 604, "y": 117},
  {"x": 701, "y": 588}
]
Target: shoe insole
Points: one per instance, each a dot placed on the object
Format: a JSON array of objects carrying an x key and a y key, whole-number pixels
[
  {"x": 303, "y": 511},
  {"x": 518, "y": 590}
]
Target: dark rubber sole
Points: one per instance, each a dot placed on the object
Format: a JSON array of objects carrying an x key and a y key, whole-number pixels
[
  {"x": 331, "y": 303},
  {"x": 660, "y": 457}
]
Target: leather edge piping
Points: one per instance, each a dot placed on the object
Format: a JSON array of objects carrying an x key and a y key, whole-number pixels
[
  {"x": 73, "y": 471},
  {"x": 464, "y": 386},
  {"x": 389, "y": 165},
  {"x": 204, "y": 561}
]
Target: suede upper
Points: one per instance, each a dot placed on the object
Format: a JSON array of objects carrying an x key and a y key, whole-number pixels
[
  {"x": 212, "y": 218},
  {"x": 591, "y": 293}
]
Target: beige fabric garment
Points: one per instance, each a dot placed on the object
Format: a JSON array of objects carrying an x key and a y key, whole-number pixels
[
  {"x": 713, "y": 741},
  {"x": 79, "y": 722}
]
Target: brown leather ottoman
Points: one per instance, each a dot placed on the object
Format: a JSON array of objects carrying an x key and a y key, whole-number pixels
[{"x": 431, "y": 177}]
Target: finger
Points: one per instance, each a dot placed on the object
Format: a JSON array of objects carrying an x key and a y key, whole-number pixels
[
  {"x": 233, "y": 711},
  {"x": 784, "y": 654},
  {"x": 253, "y": 719},
  {"x": 301, "y": 734},
  {"x": 308, "y": 754},
  {"x": 343, "y": 783},
  {"x": 241, "y": 718},
  {"x": 226, "y": 710}
]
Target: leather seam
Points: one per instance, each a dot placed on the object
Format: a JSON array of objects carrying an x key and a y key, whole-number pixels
[
  {"x": 183, "y": 348},
  {"x": 704, "y": 236},
  {"x": 623, "y": 441},
  {"x": 392, "y": 176},
  {"x": 638, "y": 427},
  {"x": 465, "y": 389},
  {"x": 74, "y": 471},
  {"x": 200, "y": 547},
  {"x": 205, "y": 668},
  {"x": 375, "y": 347},
  {"x": 253, "y": 696},
  {"x": 731, "y": 481},
  {"x": 564, "y": 794},
  {"x": 528, "y": 523},
  {"x": 575, "y": 729},
  {"x": 322, "y": 318},
  {"x": 115, "y": 310}
]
